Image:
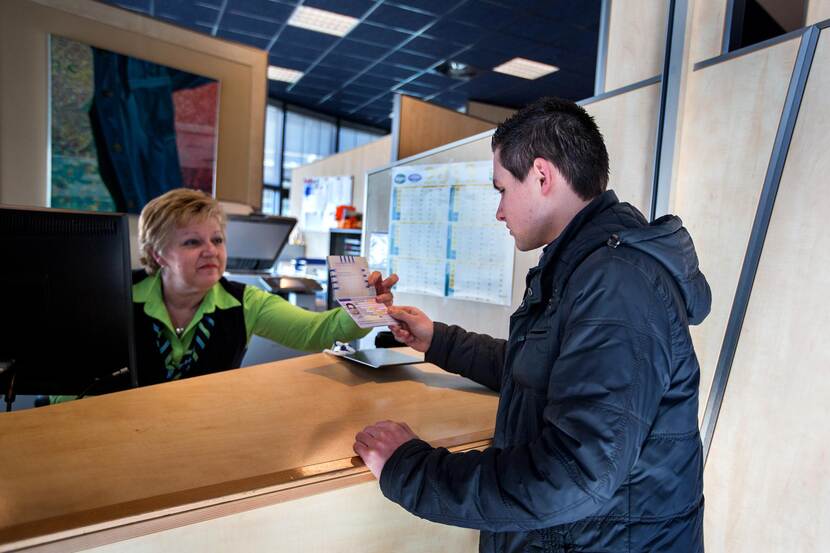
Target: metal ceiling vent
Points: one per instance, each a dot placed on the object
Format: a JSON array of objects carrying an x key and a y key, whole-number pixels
[{"x": 457, "y": 70}]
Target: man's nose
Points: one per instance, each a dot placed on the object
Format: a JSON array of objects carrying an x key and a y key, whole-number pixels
[{"x": 499, "y": 213}]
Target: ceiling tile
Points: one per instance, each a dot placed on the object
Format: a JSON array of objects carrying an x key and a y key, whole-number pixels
[
  {"x": 361, "y": 49},
  {"x": 375, "y": 82},
  {"x": 385, "y": 70},
  {"x": 261, "y": 9},
  {"x": 457, "y": 32},
  {"x": 378, "y": 35},
  {"x": 283, "y": 49},
  {"x": 296, "y": 35},
  {"x": 436, "y": 7},
  {"x": 484, "y": 14},
  {"x": 382, "y": 52},
  {"x": 432, "y": 47},
  {"x": 353, "y": 8},
  {"x": 390, "y": 16},
  {"x": 410, "y": 60}
]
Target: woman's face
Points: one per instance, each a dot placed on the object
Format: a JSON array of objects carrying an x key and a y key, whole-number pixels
[{"x": 195, "y": 256}]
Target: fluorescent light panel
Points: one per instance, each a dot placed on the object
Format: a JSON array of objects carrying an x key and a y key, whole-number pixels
[
  {"x": 525, "y": 69},
  {"x": 322, "y": 21},
  {"x": 284, "y": 74}
]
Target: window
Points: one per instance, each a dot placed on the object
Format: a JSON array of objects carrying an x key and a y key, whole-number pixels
[
  {"x": 295, "y": 137},
  {"x": 307, "y": 139},
  {"x": 272, "y": 159},
  {"x": 352, "y": 136}
]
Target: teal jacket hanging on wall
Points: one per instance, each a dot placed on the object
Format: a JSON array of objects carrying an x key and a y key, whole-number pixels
[{"x": 133, "y": 121}]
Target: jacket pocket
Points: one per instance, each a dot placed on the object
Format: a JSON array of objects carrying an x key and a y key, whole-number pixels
[{"x": 534, "y": 358}]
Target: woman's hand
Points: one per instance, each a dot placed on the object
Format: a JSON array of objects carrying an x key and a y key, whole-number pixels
[
  {"x": 414, "y": 328},
  {"x": 383, "y": 287}
]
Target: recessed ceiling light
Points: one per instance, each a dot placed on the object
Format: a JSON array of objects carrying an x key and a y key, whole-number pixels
[
  {"x": 525, "y": 69},
  {"x": 284, "y": 74},
  {"x": 457, "y": 70},
  {"x": 322, "y": 21}
]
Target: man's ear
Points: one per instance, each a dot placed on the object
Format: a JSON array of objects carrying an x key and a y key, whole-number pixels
[{"x": 546, "y": 175}]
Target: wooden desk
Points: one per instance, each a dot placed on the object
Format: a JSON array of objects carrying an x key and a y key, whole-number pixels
[{"x": 109, "y": 468}]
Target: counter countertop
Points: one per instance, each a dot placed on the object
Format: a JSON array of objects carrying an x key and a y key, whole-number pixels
[{"x": 206, "y": 446}]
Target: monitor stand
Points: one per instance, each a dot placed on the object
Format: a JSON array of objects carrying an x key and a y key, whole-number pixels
[{"x": 7, "y": 375}]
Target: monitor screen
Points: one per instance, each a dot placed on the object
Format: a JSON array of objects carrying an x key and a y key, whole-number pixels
[
  {"x": 255, "y": 241},
  {"x": 67, "y": 311}
]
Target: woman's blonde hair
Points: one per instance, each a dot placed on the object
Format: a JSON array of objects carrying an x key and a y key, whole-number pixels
[{"x": 162, "y": 215}]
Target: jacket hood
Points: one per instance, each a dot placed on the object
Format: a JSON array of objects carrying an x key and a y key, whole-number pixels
[
  {"x": 607, "y": 221},
  {"x": 668, "y": 241}
]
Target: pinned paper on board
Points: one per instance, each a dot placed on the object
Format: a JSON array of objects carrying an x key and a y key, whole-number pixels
[
  {"x": 444, "y": 239},
  {"x": 321, "y": 196}
]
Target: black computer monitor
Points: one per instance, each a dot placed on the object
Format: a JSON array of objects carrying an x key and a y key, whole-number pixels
[
  {"x": 66, "y": 320},
  {"x": 255, "y": 241}
]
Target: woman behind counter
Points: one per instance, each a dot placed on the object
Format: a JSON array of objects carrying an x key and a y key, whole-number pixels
[{"x": 189, "y": 320}]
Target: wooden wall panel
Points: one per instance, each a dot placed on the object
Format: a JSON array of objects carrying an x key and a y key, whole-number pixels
[
  {"x": 768, "y": 476},
  {"x": 424, "y": 126},
  {"x": 731, "y": 115},
  {"x": 488, "y": 112},
  {"x": 628, "y": 123},
  {"x": 356, "y": 162},
  {"x": 357, "y": 518},
  {"x": 24, "y": 148},
  {"x": 706, "y": 33},
  {"x": 817, "y": 10},
  {"x": 636, "y": 39}
]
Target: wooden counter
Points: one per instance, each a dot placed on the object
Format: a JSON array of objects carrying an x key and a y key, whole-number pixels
[{"x": 109, "y": 468}]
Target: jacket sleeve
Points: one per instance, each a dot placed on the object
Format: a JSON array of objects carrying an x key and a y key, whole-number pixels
[
  {"x": 475, "y": 356},
  {"x": 604, "y": 389}
]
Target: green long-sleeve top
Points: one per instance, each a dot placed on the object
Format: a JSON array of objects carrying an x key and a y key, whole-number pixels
[{"x": 266, "y": 315}]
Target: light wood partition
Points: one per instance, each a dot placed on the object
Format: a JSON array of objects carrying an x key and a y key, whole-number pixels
[
  {"x": 731, "y": 115},
  {"x": 706, "y": 30},
  {"x": 355, "y": 162},
  {"x": 423, "y": 126},
  {"x": 768, "y": 476},
  {"x": 817, "y": 10},
  {"x": 24, "y": 79},
  {"x": 488, "y": 112},
  {"x": 636, "y": 40},
  {"x": 344, "y": 520},
  {"x": 628, "y": 123},
  {"x": 142, "y": 462}
]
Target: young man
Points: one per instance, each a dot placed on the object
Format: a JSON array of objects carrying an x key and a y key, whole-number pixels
[{"x": 596, "y": 445}]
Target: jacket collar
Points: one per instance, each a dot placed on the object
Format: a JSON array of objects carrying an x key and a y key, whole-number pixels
[
  {"x": 578, "y": 237},
  {"x": 149, "y": 292}
]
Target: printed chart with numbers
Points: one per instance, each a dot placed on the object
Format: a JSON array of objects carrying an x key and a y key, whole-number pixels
[{"x": 444, "y": 239}]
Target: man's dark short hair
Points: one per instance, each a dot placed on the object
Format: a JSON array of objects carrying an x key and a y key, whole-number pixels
[{"x": 561, "y": 132}]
